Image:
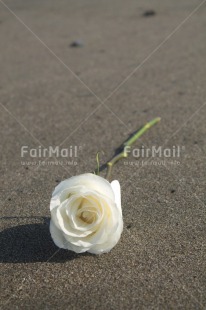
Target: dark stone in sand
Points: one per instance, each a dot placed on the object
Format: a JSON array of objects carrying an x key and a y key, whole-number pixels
[
  {"x": 77, "y": 43},
  {"x": 129, "y": 226},
  {"x": 149, "y": 13}
]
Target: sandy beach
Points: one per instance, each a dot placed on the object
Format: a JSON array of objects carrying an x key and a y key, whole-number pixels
[{"x": 84, "y": 75}]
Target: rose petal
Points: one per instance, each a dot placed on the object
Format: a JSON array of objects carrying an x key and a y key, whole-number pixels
[
  {"x": 117, "y": 193},
  {"x": 90, "y": 181}
]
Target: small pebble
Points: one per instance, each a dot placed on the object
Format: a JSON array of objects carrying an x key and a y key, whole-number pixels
[
  {"x": 129, "y": 226},
  {"x": 149, "y": 13},
  {"x": 77, "y": 43},
  {"x": 172, "y": 191}
]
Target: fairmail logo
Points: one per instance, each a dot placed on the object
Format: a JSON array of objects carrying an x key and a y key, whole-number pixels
[
  {"x": 41, "y": 152},
  {"x": 154, "y": 151}
]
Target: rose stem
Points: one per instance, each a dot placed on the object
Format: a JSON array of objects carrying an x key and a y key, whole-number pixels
[
  {"x": 129, "y": 142},
  {"x": 97, "y": 159}
]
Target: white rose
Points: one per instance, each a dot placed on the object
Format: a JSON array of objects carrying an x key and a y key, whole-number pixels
[{"x": 86, "y": 214}]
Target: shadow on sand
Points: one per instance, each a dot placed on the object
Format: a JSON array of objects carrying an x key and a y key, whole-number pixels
[{"x": 31, "y": 243}]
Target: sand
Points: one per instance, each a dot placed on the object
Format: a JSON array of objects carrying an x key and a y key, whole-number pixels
[{"x": 52, "y": 93}]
